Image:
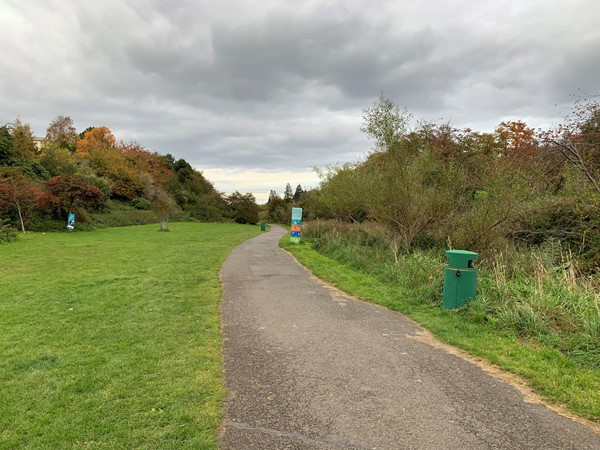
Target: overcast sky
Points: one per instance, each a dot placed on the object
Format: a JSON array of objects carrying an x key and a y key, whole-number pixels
[{"x": 255, "y": 93}]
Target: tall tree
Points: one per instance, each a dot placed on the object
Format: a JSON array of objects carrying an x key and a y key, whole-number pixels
[
  {"x": 6, "y": 145},
  {"x": 385, "y": 123},
  {"x": 288, "y": 195},
  {"x": 18, "y": 192},
  {"x": 62, "y": 133},
  {"x": 298, "y": 193},
  {"x": 518, "y": 142},
  {"x": 276, "y": 208},
  {"x": 163, "y": 204},
  {"x": 24, "y": 147},
  {"x": 96, "y": 140},
  {"x": 243, "y": 207}
]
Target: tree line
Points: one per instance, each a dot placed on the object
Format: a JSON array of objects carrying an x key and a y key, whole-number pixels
[
  {"x": 91, "y": 172},
  {"x": 436, "y": 186}
]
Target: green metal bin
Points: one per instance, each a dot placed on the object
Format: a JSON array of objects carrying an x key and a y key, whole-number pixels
[
  {"x": 460, "y": 278},
  {"x": 263, "y": 226}
]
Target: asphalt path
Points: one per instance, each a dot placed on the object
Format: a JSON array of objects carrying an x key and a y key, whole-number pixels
[{"x": 309, "y": 367}]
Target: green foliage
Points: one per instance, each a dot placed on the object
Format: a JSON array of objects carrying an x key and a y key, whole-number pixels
[
  {"x": 298, "y": 194},
  {"x": 244, "y": 208},
  {"x": 7, "y": 232},
  {"x": 439, "y": 187},
  {"x": 6, "y": 145},
  {"x": 572, "y": 220},
  {"x": 277, "y": 209},
  {"x": 141, "y": 203},
  {"x": 288, "y": 194},
  {"x": 385, "y": 123}
]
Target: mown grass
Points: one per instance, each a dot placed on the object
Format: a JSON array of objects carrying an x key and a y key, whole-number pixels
[
  {"x": 413, "y": 287},
  {"x": 111, "y": 339}
]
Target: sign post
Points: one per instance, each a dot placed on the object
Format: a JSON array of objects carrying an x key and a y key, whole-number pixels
[
  {"x": 296, "y": 225},
  {"x": 71, "y": 222}
]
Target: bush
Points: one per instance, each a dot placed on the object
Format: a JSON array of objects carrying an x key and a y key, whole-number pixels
[
  {"x": 141, "y": 203},
  {"x": 7, "y": 232},
  {"x": 572, "y": 223}
]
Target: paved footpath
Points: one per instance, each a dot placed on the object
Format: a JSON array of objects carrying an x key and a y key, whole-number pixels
[{"x": 311, "y": 368}]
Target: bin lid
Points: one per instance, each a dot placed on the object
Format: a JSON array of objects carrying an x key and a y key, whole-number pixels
[{"x": 460, "y": 258}]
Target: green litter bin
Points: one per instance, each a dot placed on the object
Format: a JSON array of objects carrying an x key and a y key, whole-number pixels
[
  {"x": 263, "y": 226},
  {"x": 460, "y": 278}
]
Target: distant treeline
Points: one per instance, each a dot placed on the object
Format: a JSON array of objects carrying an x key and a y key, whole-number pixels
[{"x": 103, "y": 181}]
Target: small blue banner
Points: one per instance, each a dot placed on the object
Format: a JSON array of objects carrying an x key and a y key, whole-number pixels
[
  {"x": 71, "y": 221},
  {"x": 295, "y": 234}
]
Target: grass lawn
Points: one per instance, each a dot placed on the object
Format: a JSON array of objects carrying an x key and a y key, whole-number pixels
[
  {"x": 111, "y": 339},
  {"x": 548, "y": 372}
]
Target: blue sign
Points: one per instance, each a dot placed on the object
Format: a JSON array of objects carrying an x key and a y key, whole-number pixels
[
  {"x": 295, "y": 234},
  {"x": 71, "y": 222}
]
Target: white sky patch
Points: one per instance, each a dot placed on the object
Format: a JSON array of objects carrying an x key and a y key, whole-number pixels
[{"x": 259, "y": 183}]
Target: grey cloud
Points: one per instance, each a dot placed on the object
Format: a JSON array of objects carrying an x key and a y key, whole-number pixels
[{"x": 249, "y": 85}]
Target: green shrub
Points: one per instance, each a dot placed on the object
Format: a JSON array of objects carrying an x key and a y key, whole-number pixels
[
  {"x": 141, "y": 203},
  {"x": 7, "y": 232}
]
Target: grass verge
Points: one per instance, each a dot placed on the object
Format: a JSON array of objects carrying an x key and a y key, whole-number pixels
[
  {"x": 111, "y": 339},
  {"x": 550, "y": 373}
]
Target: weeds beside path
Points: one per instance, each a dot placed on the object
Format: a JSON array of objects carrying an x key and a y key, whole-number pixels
[{"x": 111, "y": 339}]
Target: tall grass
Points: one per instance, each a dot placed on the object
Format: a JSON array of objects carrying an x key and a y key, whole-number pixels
[{"x": 535, "y": 295}]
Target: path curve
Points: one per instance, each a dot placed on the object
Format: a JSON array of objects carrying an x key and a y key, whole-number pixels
[{"x": 309, "y": 367}]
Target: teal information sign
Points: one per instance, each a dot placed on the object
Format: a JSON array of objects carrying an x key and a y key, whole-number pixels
[
  {"x": 71, "y": 222},
  {"x": 297, "y": 214},
  {"x": 296, "y": 225}
]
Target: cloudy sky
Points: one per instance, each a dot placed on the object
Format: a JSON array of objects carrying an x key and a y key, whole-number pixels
[{"x": 255, "y": 93}]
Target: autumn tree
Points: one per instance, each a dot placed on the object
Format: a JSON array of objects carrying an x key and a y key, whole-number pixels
[
  {"x": 62, "y": 133},
  {"x": 72, "y": 190},
  {"x": 518, "y": 143},
  {"x": 95, "y": 141},
  {"x": 149, "y": 162},
  {"x": 99, "y": 149},
  {"x": 17, "y": 192}
]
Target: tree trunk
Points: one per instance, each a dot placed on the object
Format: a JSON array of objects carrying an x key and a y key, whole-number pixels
[
  {"x": 20, "y": 217},
  {"x": 164, "y": 224}
]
